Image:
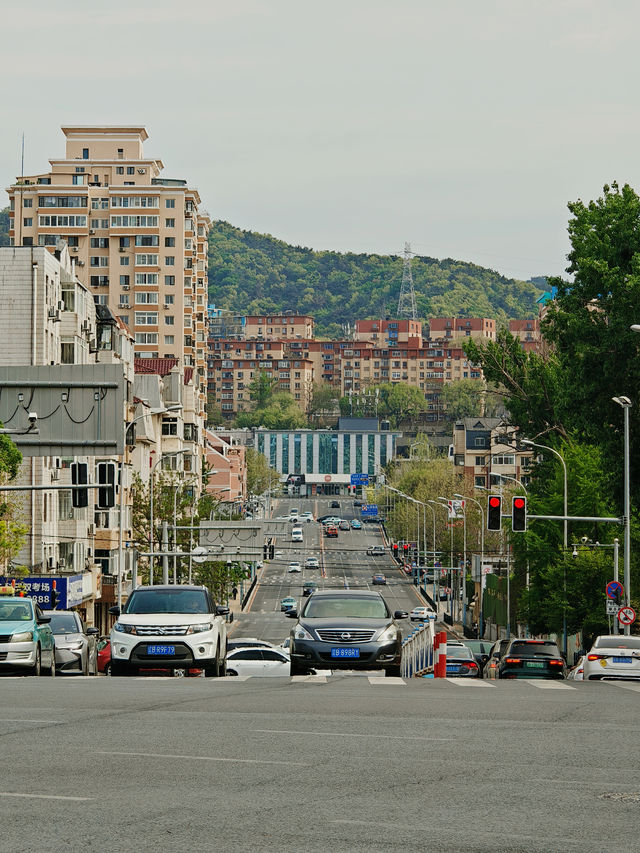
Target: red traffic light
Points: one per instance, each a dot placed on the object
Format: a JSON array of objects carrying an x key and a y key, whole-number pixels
[
  {"x": 494, "y": 501},
  {"x": 519, "y": 503},
  {"x": 405, "y": 546},
  {"x": 494, "y": 512}
]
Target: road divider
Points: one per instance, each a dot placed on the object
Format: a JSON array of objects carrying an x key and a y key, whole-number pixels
[{"x": 418, "y": 651}]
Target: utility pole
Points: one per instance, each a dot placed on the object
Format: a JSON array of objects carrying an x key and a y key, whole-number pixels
[{"x": 407, "y": 301}]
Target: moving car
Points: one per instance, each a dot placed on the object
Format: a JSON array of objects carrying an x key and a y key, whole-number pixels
[
  {"x": 422, "y": 614},
  {"x": 357, "y": 502},
  {"x": 344, "y": 525},
  {"x": 297, "y": 535},
  {"x": 288, "y": 602},
  {"x": 294, "y": 511},
  {"x": 613, "y": 656},
  {"x": 526, "y": 658},
  {"x": 76, "y": 645},
  {"x": 497, "y": 650},
  {"x": 481, "y": 650},
  {"x": 346, "y": 629},
  {"x": 379, "y": 580},
  {"x": 294, "y": 566},
  {"x": 248, "y": 642},
  {"x": 376, "y": 551},
  {"x": 27, "y": 643},
  {"x": 311, "y": 563},
  {"x": 356, "y": 525},
  {"x": 258, "y": 662},
  {"x": 309, "y": 588},
  {"x": 461, "y": 662},
  {"x": 169, "y": 627},
  {"x": 331, "y": 531},
  {"x": 334, "y": 505}
]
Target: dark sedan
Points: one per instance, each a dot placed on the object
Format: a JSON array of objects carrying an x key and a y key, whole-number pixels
[
  {"x": 461, "y": 662},
  {"x": 524, "y": 658},
  {"x": 379, "y": 580},
  {"x": 346, "y": 629},
  {"x": 76, "y": 645}
]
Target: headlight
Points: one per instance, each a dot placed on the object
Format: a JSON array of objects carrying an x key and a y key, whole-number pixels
[
  {"x": 199, "y": 628},
  {"x": 300, "y": 633},
  {"x": 23, "y": 637},
  {"x": 125, "y": 629},
  {"x": 388, "y": 635}
]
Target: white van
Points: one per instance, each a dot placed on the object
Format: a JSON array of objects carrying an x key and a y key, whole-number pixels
[{"x": 297, "y": 535}]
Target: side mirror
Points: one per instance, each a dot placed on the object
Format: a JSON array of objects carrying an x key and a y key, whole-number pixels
[
  {"x": 115, "y": 610},
  {"x": 92, "y": 632},
  {"x": 401, "y": 614},
  {"x": 44, "y": 620},
  {"x": 221, "y": 610},
  {"x": 291, "y": 614}
]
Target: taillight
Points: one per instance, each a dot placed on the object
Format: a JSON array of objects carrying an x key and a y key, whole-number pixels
[
  {"x": 556, "y": 662},
  {"x": 595, "y": 657},
  {"x": 472, "y": 664},
  {"x": 512, "y": 660}
]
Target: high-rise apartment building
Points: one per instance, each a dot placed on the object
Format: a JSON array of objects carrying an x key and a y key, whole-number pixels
[{"x": 139, "y": 241}]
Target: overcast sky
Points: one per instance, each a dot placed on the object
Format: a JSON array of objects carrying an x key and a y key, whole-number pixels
[{"x": 462, "y": 126}]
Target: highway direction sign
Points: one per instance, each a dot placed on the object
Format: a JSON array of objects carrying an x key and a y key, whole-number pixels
[
  {"x": 615, "y": 589},
  {"x": 626, "y": 616},
  {"x": 369, "y": 509},
  {"x": 359, "y": 479}
]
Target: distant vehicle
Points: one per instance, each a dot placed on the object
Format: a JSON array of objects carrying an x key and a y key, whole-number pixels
[
  {"x": 334, "y": 505},
  {"x": 376, "y": 551},
  {"x": 357, "y": 503},
  {"x": 294, "y": 511},
  {"x": 258, "y": 661},
  {"x": 613, "y": 656},
  {"x": 309, "y": 588},
  {"x": 248, "y": 642},
  {"x": 331, "y": 531},
  {"x": 356, "y": 525},
  {"x": 497, "y": 650},
  {"x": 294, "y": 566},
  {"x": 481, "y": 650},
  {"x": 422, "y": 614},
  {"x": 525, "y": 658},
  {"x": 288, "y": 603},
  {"x": 344, "y": 525},
  {"x": 306, "y": 517},
  {"x": 379, "y": 580},
  {"x": 297, "y": 535},
  {"x": 76, "y": 645},
  {"x": 311, "y": 563},
  {"x": 461, "y": 662}
]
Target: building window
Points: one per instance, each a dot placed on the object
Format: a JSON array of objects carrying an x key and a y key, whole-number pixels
[
  {"x": 146, "y": 338},
  {"x": 146, "y": 297},
  {"x": 119, "y": 170},
  {"x": 169, "y": 299},
  {"x": 170, "y": 260},
  {"x": 480, "y": 441},
  {"x": 169, "y": 280},
  {"x": 124, "y": 280},
  {"x": 27, "y": 221},
  {"x": 480, "y": 481},
  {"x": 481, "y": 460},
  {"x": 169, "y": 340},
  {"x": 169, "y": 202},
  {"x": 169, "y": 320},
  {"x": 146, "y": 260},
  {"x": 124, "y": 262},
  {"x": 27, "y": 202},
  {"x": 169, "y": 242},
  {"x": 85, "y": 153},
  {"x": 169, "y": 223},
  {"x": 147, "y": 278},
  {"x": 145, "y": 240},
  {"x": 131, "y": 170}
]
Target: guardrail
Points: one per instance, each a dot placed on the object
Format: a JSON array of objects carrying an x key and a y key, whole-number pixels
[{"x": 417, "y": 651}]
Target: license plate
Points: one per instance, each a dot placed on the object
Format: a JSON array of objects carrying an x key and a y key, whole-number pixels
[
  {"x": 453, "y": 669},
  {"x": 345, "y": 652},
  {"x": 161, "y": 650},
  {"x": 623, "y": 660},
  {"x": 534, "y": 664}
]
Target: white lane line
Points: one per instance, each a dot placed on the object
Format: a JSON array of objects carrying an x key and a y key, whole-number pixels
[
  {"x": 381, "y": 679},
  {"x": 625, "y": 686},
  {"x": 547, "y": 685},
  {"x": 468, "y": 682},
  {"x": 45, "y": 797},
  {"x": 309, "y": 679},
  {"x": 197, "y": 758},
  {"x": 23, "y": 720},
  {"x": 375, "y": 735}
]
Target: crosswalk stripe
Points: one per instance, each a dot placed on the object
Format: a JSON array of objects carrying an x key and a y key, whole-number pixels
[
  {"x": 377, "y": 679},
  {"x": 469, "y": 682},
  {"x": 309, "y": 679},
  {"x": 626, "y": 685},
  {"x": 547, "y": 685}
]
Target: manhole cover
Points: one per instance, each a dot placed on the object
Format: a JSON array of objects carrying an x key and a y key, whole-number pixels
[{"x": 623, "y": 796}]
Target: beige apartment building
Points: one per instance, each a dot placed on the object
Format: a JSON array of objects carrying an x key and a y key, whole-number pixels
[
  {"x": 390, "y": 332},
  {"x": 275, "y": 326},
  {"x": 138, "y": 240},
  {"x": 454, "y": 328}
]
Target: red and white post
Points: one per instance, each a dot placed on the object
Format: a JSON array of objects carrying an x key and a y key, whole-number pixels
[{"x": 440, "y": 655}]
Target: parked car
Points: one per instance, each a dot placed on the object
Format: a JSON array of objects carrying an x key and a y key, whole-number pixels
[
  {"x": 461, "y": 662},
  {"x": 613, "y": 656},
  {"x": 422, "y": 614},
  {"x": 76, "y": 645},
  {"x": 346, "y": 629},
  {"x": 376, "y": 551},
  {"x": 27, "y": 643},
  {"x": 334, "y": 505},
  {"x": 104, "y": 655},
  {"x": 527, "y": 658},
  {"x": 257, "y": 661},
  {"x": 294, "y": 566},
  {"x": 312, "y": 563},
  {"x": 379, "y": 580},
  {"x": 288, "y": 602}
]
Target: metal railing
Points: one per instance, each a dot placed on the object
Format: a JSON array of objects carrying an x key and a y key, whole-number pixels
[{"x": 417, "y": 651}]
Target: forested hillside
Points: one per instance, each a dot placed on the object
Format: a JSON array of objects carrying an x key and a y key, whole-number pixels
[{"x": 257, "y": 274}]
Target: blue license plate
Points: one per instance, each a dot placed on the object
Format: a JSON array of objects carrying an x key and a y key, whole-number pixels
[
  {"x": 622, "y": 660},
  {"x": 453, "y": 669},
  {"x": 345, "y": 652},
  {"x": 161, "y": 650}
]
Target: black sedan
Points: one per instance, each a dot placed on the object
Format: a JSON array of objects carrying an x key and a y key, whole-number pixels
[
  {"x": 379, "y": 580},
  {"x": 346, "y": 629},
  {"x": 525, "y": 658}
]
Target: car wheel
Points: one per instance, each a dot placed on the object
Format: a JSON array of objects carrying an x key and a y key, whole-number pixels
[
  {"x": 212, "y": 670},
  {"x": 85, "y": 666},
  {"x": 119, "y": 669},
  {"x": 107, "y": 669},
  {"x": 52, "y": 668},
  {"x": 36, "y": 669},
  {"x": 231, "y": 672},
  {"x": 393, "y": 671},
  {"x": 296, "y": 669}
]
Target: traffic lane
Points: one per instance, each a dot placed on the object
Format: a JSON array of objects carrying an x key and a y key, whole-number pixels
[{"x": 378, "y": 775}]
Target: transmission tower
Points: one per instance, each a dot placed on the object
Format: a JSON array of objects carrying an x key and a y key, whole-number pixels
[{"x": 407, "y": 302}]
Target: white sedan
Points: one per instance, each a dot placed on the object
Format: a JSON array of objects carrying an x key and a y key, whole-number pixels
[
  {"x": 257, "y": 661},
  {"x": 311, "y": 563},
  {"x": 613, "y": 656},
  {"x": 422, "y": 614},
  {"x": 294, "y": 566}
]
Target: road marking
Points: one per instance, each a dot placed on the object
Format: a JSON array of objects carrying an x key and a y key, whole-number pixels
[
  {"x": 468, "y": 682},
  {"x": 197, "y": 758},
  {"x": 375, "y": 735},
  {"x": 311, "y": 679},
  {"x": 23, "y": 720},
  {"x": 378, "y": 679},
  {"x": 547, "y": 685},
  {"x": 45, "y": 797},
  {"x": 622, "y": 684}
]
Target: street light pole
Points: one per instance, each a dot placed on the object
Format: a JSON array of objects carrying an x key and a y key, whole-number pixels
[
  {"x": 625, "y": 402},
  {"x": 481, "y": 610}
]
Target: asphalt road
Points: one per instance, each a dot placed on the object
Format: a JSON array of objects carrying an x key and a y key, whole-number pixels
[
  {"x": 343, "y": 564},
  {"x": 326, "y": 764}
]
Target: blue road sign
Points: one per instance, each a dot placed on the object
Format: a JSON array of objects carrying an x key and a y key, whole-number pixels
[
  {"x": 369, "y": 509},
  {"x": 615, "y": 589},
  {"x": 359, "y": 479}
]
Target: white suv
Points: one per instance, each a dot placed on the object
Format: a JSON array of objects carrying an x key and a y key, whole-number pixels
[{"x": 169, "y": 627}]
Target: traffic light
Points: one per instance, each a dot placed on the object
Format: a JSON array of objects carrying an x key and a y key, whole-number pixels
[
  {"x": 494, "y": 512},
  {"x": 271, "y": 551},
  {"x": 265, "y": 552},
  {"x": 415, "y": 553},
  {"x": 106, "y": 485},
  {"x": 519, "y": 514},
  {"x": 405, "y": 548},
  {"x": 54, "y": 595},
  {"x": 79, "y": 476}
]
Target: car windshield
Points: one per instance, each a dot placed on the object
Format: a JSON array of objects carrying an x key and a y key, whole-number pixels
[
  {"x": 459, "y": 652},
  {"x": 617, "y": 643},
  {"x": 167, "y": 601},
  {"x": 10, "y": 611},
  {"x": 63, "y": 623},
  {"x": 549, "y": 650},
  {"x": 347, "y": 608}
]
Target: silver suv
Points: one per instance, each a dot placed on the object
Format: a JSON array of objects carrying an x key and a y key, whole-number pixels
[{"x": 169, "y": 627}]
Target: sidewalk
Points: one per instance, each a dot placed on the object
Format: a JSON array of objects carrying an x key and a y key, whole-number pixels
[{"x": 235, "y": 605}]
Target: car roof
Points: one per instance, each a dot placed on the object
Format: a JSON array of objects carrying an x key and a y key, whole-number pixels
[
  {"x": 160, "y": 586},
  {"x": 348, "y": 593}
]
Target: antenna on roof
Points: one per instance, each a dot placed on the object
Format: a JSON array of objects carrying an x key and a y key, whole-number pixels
[{"x": 407, "y": 301}]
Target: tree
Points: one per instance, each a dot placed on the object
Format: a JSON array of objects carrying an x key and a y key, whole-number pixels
[
  {"x": 463, "y": 399},
  {"x": 324, "y": 400},
  {"x": 214, "y": 414},
  {"x": 394, "y": 400},
  {"x": 260, "y": 476},
  {"x": 13, "y": 531},
  {"x": 281, "y": 412},
  {"x": 261, "y": 389}
]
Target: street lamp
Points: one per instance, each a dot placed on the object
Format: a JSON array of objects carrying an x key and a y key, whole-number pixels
[
  {"x": 625, "y": 402},
  {"x": 481, "y": 612}
]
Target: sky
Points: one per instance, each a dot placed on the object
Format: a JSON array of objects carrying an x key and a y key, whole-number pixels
[{"x": 461, "y": 126}]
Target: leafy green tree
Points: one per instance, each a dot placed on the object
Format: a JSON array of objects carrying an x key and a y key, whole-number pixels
[
  {"x": 262, "y": 389},
  {"x": 394, "y": 400},
  {"x": 13, "y": 530},
  {"x": 260, "y": 476},
  {"x": 281, "y": 412},
  {"x": 324, "y": 401},
  {"x": 463, "y": 399},
  {"x": 4, "y": 227}
]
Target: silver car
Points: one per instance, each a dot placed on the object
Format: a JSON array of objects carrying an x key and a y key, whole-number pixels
[{"x": 76, "y": 645}]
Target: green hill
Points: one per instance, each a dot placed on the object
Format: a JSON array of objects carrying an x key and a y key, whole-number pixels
[{"x": 257, "y": 274}]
